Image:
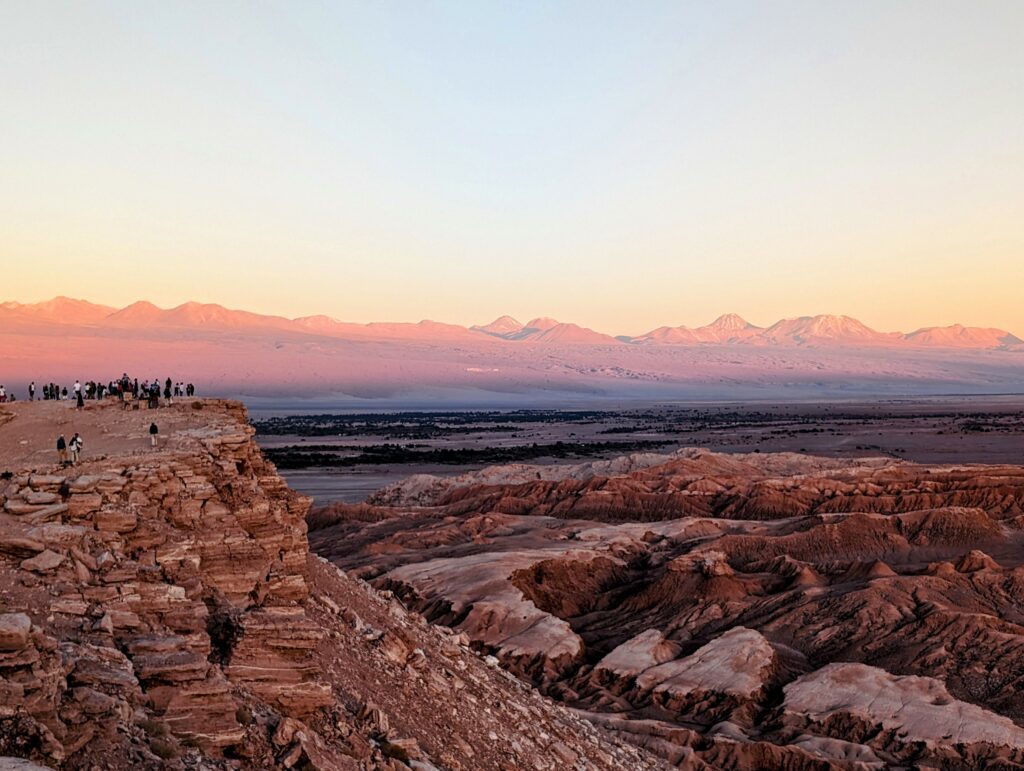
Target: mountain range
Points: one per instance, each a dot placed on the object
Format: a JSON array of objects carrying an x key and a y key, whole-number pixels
[
  {"x": 728, "y": 329},
  {"x": 504, "y": 363}
]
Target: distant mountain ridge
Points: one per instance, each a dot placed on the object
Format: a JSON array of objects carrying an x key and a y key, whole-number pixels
[{"x": 822, "y": 330}]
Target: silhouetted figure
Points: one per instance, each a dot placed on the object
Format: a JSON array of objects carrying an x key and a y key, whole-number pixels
[
  {"x": 153, "y": 434},
  {"x": 75, "y": 446}
]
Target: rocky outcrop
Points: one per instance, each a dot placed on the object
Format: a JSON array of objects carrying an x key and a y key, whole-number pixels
[
  {"x": 155, "y": 612},
  {"x": 731, "y": 670},
  {"x": 143, "y": 561},
  {"x": 908, "y": 718}
]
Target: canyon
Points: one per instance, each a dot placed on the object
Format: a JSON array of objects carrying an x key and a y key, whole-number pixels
[
  {"x": 231, "y": 352},
  {"x": 759, "y": 610}
]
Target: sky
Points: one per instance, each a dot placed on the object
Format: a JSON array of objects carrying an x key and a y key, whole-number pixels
[{"x": 620, "y": 165}]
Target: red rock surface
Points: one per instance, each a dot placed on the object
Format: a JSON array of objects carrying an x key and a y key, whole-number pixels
[
  {"x": 742, "y": 611},
  {"x": 160, "y": 609}
]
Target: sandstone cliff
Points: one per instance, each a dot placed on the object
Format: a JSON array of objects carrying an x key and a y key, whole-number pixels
[{"x": 160, "y": 609}]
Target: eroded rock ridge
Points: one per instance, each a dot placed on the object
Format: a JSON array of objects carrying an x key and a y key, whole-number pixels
[{"x": 731, "y": 611}]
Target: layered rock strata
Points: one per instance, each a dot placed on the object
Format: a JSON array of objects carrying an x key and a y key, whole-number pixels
[{"x": 156, "y": 612}]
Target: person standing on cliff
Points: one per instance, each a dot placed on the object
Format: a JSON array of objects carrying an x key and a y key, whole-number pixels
[
  {"x": 154, "y": 433},
  {"x": 62, "y": 450},
  {"x": 75, "y": 446},
  {"x": 32, "y": 391}
]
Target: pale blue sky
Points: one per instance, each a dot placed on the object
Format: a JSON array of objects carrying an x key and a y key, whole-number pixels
[{"x": 622, "y": 165}]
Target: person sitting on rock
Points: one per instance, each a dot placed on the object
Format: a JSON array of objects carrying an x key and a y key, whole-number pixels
[
  {"x": 62, "y": 450},
  {"x": 153, "y": 433}
]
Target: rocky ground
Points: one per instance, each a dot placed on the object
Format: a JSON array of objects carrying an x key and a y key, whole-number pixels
[
  {"x": 730, "y": 611},
  {"x": 161, "y": 609}
]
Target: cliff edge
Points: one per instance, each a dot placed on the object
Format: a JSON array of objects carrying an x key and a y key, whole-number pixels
[{"x": 159, "y": 608}]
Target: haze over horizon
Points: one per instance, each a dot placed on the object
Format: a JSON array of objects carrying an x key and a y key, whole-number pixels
[{"x": 619, "y": 167}]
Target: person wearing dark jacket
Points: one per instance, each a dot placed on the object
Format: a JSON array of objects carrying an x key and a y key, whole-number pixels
[
  {"x": 62, "y": 449},
  {"x": 153, "y": 433}
]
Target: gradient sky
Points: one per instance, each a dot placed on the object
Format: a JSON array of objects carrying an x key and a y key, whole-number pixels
[{"x": 621, "y": 165}]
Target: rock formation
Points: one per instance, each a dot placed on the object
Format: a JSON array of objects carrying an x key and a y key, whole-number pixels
[
  {"x": 730, "y": 611},
  {"x": 160, "y": 609}
]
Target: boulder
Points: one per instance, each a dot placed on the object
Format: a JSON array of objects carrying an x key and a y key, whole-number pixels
[
  {"x": 15, "y": 631},
  {"x": 44, "y": 562}
]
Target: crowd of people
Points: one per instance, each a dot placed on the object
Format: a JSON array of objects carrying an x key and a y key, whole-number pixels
[{"x": 91, "y": 390}]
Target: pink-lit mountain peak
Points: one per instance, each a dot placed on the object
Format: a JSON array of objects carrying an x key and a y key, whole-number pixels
[
  {"x": 826, "y": 328},
  {"x": 959, "y": 336},
  {"x": 211, "y": 314},
  {"x": 542, "y": 323},
  {"x": 140, "y": 312},
  {"x": 61, "y": 309},
  {"x": 729, "y": 327},
  {"x": 823, "y": 330},
  {"x": 192, "y": 314},
  {"x": 730, "y": 322},
  {"x": 500, "y": 327}
]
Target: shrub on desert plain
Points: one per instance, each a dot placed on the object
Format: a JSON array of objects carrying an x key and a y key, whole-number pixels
[
  {"x": 163, "y": 749},
  {"x": 154, "y": 728}
]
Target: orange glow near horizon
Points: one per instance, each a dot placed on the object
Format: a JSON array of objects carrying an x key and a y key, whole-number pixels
[{"x": 620, "y": 168}]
